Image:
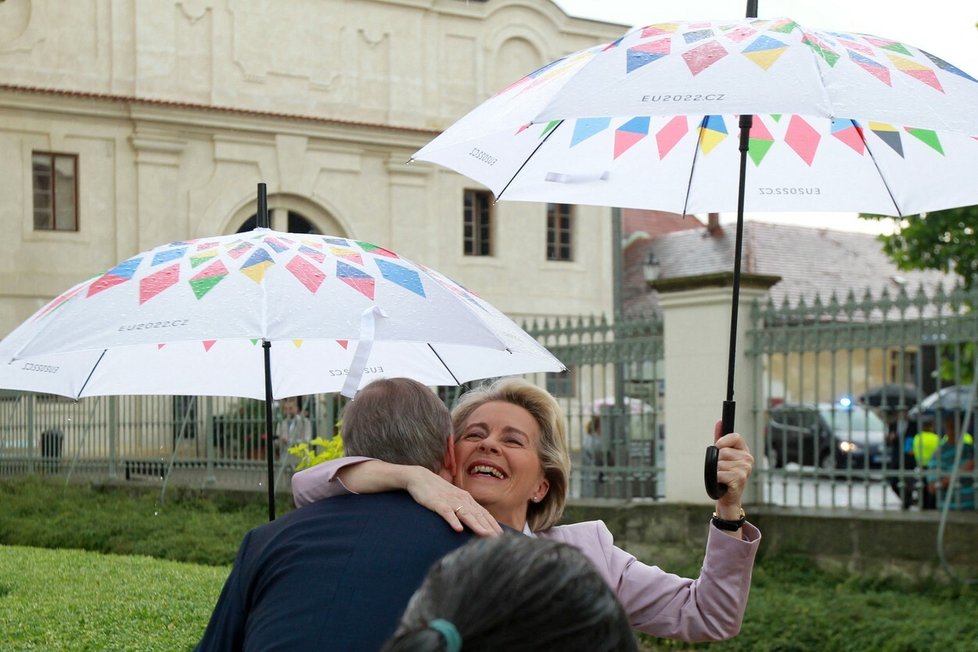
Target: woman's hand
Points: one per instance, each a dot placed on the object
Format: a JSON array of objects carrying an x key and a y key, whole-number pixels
[
  {"x": 734, "y": 469},
  {"x": 454, "y": 505}
]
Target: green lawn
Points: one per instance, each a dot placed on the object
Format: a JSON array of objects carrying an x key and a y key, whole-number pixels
[
  {"x": 152, "y": 573},
  {"x": 80, "y": 600}
]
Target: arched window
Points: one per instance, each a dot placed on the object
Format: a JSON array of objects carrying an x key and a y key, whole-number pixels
[{"x": 282, "y": 220}]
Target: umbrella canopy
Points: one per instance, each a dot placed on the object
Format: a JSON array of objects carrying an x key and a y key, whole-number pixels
[
  {"x": 890, "y": 395},
  {"x": 191, "y": 317},
  {"x": 263, "y": 315},
  {"x": 829, "y": 119},
  {"x": 842, "y": 122},
  {"x": 949, "y": 399}
]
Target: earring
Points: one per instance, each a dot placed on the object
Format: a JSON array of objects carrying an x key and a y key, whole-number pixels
[{"x": 535, "y": 499}]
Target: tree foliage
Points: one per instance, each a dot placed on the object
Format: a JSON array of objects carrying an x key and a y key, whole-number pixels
[
  {"x": 941, "y": 240},
  {"x": 944, "y": 241}
]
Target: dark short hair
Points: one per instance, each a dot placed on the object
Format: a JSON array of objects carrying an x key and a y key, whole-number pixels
[
  {"x": 397, "y": 420},
  {"x": 515, "y": 593},
  {"x": 554, "y": 453}
]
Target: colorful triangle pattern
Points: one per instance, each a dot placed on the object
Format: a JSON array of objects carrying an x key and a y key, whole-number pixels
[
  {"x": 585, "y": 128},
  {"x": 308, "y": 274},
  {"x": 152, "y": 285},
  {"x": 875, "y": 68},
  {"x": 645, "y": 53},
  {"x": 166, "y": 255},
  {"x": 713, "y": 130},
  {"x": 802, "y": 138},
  {"x": 208, "y": 278},
  {"x": 850, "y": 133},
  {"x": 759, "y": 141},
  {"x": 764, "y": 51},
  {"x": 376, "y": 249},
  {"x": 820, "y": 48},
  {"x": 356, "y": 279},
  {"x": 889, "y": 135},
  {"x": 630, "y": 133},
  {"x": 316, "y": 254},
  {"x": 259, "y": 261},
  {"x": 703, "y": 56},
  {"x": 670, "y": 135},
  {"x": 402, "y": 276},
  {"x": 119, "y": 274}
]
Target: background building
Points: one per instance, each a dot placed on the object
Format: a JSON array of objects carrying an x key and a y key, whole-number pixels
[{"x": 129, "y": 124}]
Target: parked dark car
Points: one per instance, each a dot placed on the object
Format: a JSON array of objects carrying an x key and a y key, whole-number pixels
[{"x": 826, "y": 435}]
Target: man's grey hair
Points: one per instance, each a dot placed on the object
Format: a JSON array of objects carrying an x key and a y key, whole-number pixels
[{"x": 397, "y": 420}]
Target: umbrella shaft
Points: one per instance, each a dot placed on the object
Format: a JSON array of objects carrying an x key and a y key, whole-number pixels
[
  {"x": 269, "y": 431},
  {"x": 746, "y": 121}
]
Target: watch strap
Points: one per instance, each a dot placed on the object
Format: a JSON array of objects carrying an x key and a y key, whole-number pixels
[{"x": 729, "y": 526}]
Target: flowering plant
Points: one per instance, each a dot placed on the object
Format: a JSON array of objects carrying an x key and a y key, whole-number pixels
[{"x": 317, "y": 451}]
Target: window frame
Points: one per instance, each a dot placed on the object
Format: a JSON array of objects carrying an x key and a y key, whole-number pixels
[
  {"x": 477, "y": 230},
  {"x": 52, "y": 206},
  {"x": 560, "y": 237}
]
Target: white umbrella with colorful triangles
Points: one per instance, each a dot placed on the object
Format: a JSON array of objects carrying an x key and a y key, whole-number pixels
[
  {"x": 665, "y": 116},
  {"x": 265, "y": 315}
]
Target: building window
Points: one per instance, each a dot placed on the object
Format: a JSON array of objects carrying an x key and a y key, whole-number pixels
[
  {"x": 477, "y": 225},
  {"x": 55, "y": 191},
  {"x": 559, "y": 226},
  {"x": 293, "y": 223}
]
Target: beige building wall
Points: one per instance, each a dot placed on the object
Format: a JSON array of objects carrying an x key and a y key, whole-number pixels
[{"x": 177, "y": 109}]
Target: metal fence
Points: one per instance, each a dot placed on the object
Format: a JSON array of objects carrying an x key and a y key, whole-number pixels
[
  {"x": 203, "y": 441},
  {"x": 816, "y": 445},
  {"x": 612, "y": 395},
  {"x": 828, "y": 440}
]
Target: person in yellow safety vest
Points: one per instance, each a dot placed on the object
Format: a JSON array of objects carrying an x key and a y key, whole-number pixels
[{"x": 923, "y": 445}]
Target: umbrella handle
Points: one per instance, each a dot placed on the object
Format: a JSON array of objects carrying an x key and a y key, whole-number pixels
[{"x": 715, "y": 489}]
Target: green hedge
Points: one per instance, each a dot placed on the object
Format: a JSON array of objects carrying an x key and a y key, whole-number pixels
[{"x": 189, "y": 526}]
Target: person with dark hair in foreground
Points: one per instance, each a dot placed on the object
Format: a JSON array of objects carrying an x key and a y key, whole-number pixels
[
  {"x": 513, "y": 593},
  {"x": 337, "y": 575}
]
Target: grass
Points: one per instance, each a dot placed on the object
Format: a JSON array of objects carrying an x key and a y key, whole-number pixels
[
  {"x": 88, "y": 569},
  {"x": 75, "y": 600}
]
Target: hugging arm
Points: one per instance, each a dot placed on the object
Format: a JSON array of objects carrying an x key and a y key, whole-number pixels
[{"x": 367, "y": 475}]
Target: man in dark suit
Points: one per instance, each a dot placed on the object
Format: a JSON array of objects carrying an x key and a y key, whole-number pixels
[{"x": 337, "y": 574}]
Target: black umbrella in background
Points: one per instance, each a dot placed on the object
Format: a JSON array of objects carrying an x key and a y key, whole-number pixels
[{"x": 890, "y": 395}]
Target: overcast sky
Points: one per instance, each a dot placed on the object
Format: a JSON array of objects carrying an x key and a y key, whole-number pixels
[{"x": 945, "y": 28}]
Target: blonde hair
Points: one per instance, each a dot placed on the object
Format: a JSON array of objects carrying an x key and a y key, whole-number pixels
[{"x": 553, "y": 450}]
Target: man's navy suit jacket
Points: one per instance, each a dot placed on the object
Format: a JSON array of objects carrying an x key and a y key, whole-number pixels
[{"x": 333, "y": 575}]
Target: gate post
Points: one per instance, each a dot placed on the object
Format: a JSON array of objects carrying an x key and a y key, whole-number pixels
[{"x": 696, "y": 336}]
